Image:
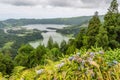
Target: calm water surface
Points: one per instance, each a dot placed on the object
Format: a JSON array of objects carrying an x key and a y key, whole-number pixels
[{"x": 56, "y": 36}]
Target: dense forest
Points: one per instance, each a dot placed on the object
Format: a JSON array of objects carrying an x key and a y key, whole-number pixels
[
  {"x": 94, "y": 54},
  {"x": 72, "y": 30},
  {"x": 11, "y": 40}
]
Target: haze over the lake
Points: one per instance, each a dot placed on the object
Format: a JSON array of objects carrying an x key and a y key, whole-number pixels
[{"x": 51, "y": 8}]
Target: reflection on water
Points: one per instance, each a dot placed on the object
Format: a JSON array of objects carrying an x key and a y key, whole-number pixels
[{"x": 56, "y": 36}]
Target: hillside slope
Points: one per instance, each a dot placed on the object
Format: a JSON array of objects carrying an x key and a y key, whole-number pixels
[{"x": 66, "y": 21}]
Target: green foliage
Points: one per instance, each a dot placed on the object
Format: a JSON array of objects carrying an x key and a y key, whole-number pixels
[
  {"x": 37, "y": 56},
  {"x": 21, "y": 59},
  {"x": 63, "y": 46},
  {"x": 111, "y": 23},
  {"x": 93, "y": 29},
  {"x": 105, "y": 35},
  {"x": 23, "y": 53},
  {"x": 102, "y": 38},
  {"x": 29, "y": 57},
  {"x": 87, "y": 38},
  {"x": 56, "y": 45},
  {"x": 54, "y": 54},
  {"x": 65, "y": 62},
  {"x": 50, "y": 43},
  {"x": 79, "y": 39},
  {"x": 11, "y": 42},
  {"x": 71, "y": 49},
  {"x": 25, "y": 49},
  {"x": 6, "y": 64},
  {"x": 103, "y": 65},
  {"x": 113, "y": 7},
  {"x": 94, "y": 25}
]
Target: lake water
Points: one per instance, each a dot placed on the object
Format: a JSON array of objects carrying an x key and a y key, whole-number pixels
[{"x": 44, "y": 27}]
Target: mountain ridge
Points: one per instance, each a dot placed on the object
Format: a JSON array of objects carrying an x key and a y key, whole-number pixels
[{"x": 67, "y": 21}]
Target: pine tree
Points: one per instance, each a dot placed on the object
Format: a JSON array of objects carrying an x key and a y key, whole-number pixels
[
  {"x": 113, "y": 7},
  {"x": 80, "y": 38},
  {"x": 50, "y": 43},
  {"x": 63, "y": 46},
  {"x": 111, "y": 18},
  {"x": 55, "y": 45},
  {"x": 93, "y": 29},
  {"x": 112, "y": 24},
  {"x": 102, "y": 38}
]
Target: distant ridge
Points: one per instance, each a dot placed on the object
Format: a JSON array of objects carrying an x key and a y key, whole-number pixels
[{"x": 67, "y": 21}]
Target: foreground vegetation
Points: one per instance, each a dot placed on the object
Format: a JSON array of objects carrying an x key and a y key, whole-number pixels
[{"x": 94, "y": 64}]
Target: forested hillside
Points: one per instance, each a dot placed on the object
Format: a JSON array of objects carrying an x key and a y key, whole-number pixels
[
  {"x": 67, "y": 21},
  {"x": 11, "y": 40},
  {"x": 94, "y": 54}
]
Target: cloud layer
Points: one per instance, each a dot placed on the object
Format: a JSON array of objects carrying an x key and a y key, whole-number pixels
[
  {"x": 59, "y": 3},
  {"x": 51, "y": 8}
]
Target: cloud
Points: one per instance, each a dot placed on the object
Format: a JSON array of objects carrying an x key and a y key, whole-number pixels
[
  {"x": 59, "y": 3},
  {"x": 20, "y": 2}
]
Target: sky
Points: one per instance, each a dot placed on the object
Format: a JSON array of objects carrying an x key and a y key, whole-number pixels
[{"x": 40, "y": 9}]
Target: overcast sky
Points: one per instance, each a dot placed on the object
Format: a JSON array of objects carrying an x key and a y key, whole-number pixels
[{"x": 51, "y": 8}]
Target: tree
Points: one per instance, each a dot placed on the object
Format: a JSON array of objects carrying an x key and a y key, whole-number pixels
[
  {"x": 102, "y": 38},
  {"x": 23, "y": 53},
  {"x": 37, "y": 56},
  {"x": 55, "y": 45},
  {"x": 113, "y": 7},
  {"x": 71, "y": 49},
  {"x": 93, "y": 29},
  {"x": 21, "y": 60},
  {"x": 71, "y": 42},
  {"x": 25, "y": 49},
  {"x": 50, "y": 43},
  {"x": 111, "y": 18},
  {"x": 53, "y": 54},
  {"x": 112, "y": 24},
  {"x": 63, "y": 46},
  {"x": 6, "y": 64},
  {"x": 118, "y": 33},
  {"x": 80, "y": 38}
]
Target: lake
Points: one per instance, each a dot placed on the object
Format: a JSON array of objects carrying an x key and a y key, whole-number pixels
[{"x": 50, "y": 32}]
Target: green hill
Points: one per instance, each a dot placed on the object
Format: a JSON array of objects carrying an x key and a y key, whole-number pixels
[{"x": 66, "y": 21}]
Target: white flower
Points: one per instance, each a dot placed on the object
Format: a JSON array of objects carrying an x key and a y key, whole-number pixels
[
  {"x": 39, "y": 71},
  {"x": 78, "y": 54},
  {"x": 22, "y": 78},
  {"x": 92, "y": 54},
  {"x": 71, "y": 58},
  {"x": 83, "y": 62},
  {"x": 89, "y": 59},
  {"x": 60, "y": 65},
  {"x": 115, "y": 62},
  {"x": 101, "y": 52}
]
